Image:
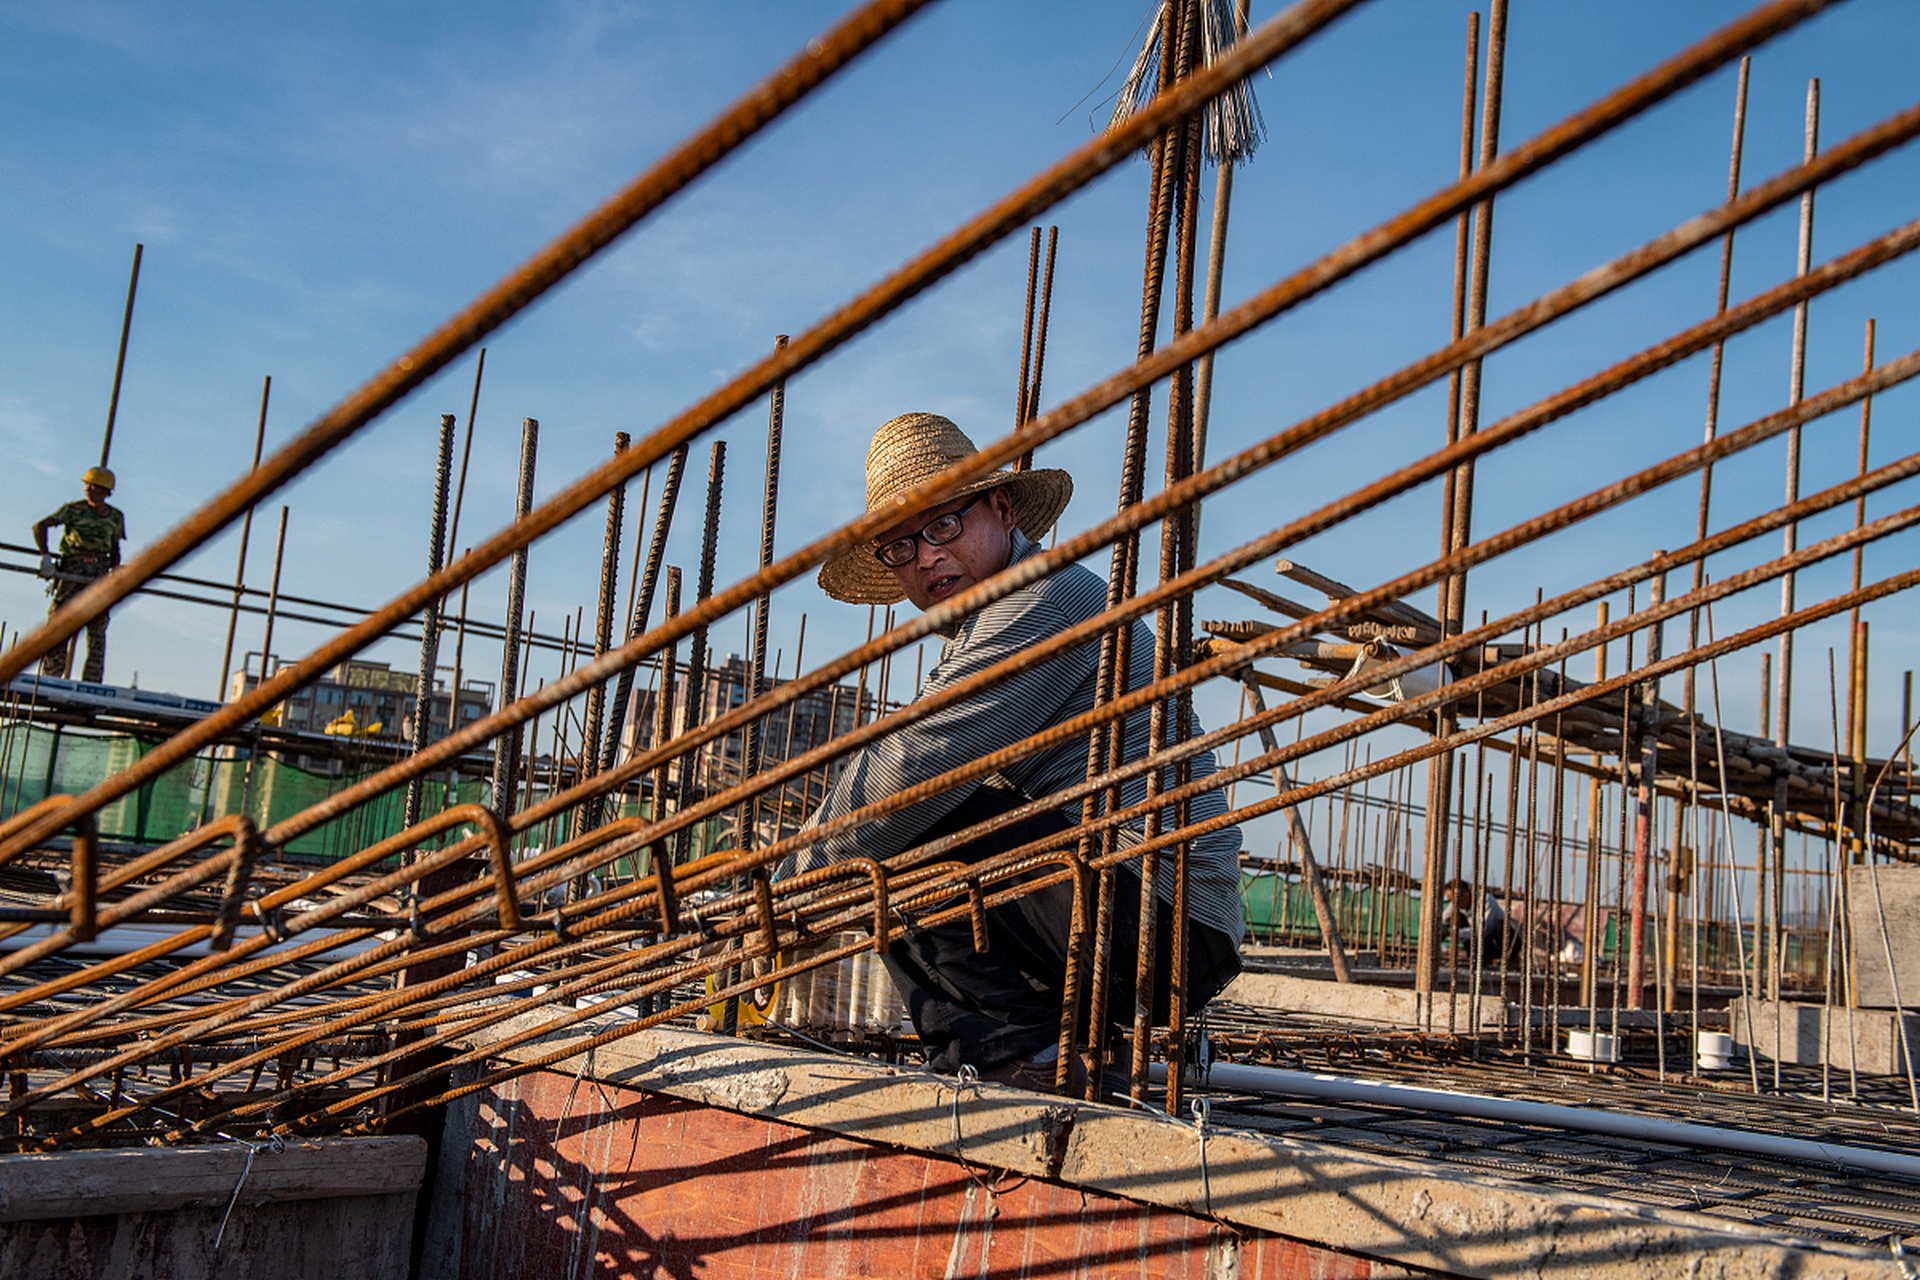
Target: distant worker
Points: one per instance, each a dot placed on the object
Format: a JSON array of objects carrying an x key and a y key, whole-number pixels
[
  {"x": 1488, "y": 930},
  {"x": 89, "y": 548}
]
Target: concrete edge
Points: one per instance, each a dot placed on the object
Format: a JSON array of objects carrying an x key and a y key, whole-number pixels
[
  {"x": 1358, "y": 1002},
  {"x": 120, "y": 1180},
  {"x": 1411, "y": 1213}
]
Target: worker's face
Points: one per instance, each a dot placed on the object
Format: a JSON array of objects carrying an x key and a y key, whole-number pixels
[
  {"x": 982, "y": 549},
  {"x": 96, "y": 494}
]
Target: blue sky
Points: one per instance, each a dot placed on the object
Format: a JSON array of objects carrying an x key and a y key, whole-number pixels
[{"x": 319, "y": 186}]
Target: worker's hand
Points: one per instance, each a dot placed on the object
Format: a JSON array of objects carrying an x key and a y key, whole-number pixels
[{"x": 46, "y": 565}]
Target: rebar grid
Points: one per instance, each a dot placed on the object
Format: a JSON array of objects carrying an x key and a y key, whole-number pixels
[{"x": 484, "y": 929}]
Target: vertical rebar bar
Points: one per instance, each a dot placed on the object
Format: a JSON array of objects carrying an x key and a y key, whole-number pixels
[
  {"x": 1461, "y": 515},
  {"x": 430, "y": 627},
  {"x": 1718, "y": 358},
  {"x": 246, "y": 533},
  {"x": 120, "y": 360},
  {"x": 1210, "y": 303},
  {"x": 1644, "y": 776},
  {"x": 1026, "y": 332},
  {"x": 1303, "y": 843},
  {"x": 660, "y": 854},
  {"x": 649, "y": 579},
  {"x": 506, "y": 748},
  {"x": 266, "y": 652},
  {"x": 757, "y": 660},
  {"x": 1797, "y": 374},
  {"x": 1856, "y": 641},
  {"x": 1025, "y": 461},
  {"x": 1107, "y": 747},
  {"x": 697, "y": 653},
  {"x": 591, "y": 760},
  {"x": 1173, "y": 638},
  {"x": 466, "y": 452}
]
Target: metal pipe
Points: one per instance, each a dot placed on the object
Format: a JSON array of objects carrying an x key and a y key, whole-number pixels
[{"x": 1274, "y": 1080}]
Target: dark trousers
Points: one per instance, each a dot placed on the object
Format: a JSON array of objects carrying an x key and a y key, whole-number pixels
[
  {"x": 1004, "y": 1004},
  {"x": 55, "y": 663}
]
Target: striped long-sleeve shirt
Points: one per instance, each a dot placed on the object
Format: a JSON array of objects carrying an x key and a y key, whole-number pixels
[{"x": 1017, "y": 707}]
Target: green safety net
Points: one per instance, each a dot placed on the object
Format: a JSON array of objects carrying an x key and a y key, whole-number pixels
[{"x": 37, "y": 761}]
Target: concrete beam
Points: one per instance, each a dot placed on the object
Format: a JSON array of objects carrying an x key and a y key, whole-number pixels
[
  {"x": 128, "y": 1180},
  {"x": 1357, "y": 1002},
  {"x": 1875, "y": 1042},
  {"x": 1405, "y": 1212}
]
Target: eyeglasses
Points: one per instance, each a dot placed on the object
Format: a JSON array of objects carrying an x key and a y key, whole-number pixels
[{"x": 936, "y": 532}]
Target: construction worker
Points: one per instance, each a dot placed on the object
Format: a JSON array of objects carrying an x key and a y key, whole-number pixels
[
  {"x": 999, "y": 1009},
  {"x": 89, "y": 547}
]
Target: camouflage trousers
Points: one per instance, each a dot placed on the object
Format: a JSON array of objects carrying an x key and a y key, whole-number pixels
[{"x": 62, "y": 590}]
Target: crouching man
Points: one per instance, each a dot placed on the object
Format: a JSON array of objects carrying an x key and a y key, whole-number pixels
[{"x": 999, "y": 1009}]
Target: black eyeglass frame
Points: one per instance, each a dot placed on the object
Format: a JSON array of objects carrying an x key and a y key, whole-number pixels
[{"x": 907, "y": 542}]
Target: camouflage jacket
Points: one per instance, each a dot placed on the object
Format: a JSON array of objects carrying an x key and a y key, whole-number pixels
[{"x": 89, "y": 533}]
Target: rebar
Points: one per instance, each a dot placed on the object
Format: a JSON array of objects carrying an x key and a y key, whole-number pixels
[{"x": 305, "y": 957}]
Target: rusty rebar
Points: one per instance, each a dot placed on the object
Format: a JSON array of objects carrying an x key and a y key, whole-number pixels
[
  {"x": 817, "y": 62},
  {"x": 246, "y": 534},
  {"x": 506, "y": 747},
  {"x": 1268, "y": 42},
  {"x": 430, "y": 623}
]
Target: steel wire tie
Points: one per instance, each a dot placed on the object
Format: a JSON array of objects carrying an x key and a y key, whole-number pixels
[
  {"x": 1202, "y": 1112},
  {"x": 276, "y": 1144},
  {"x": 966, "y": 1077}
]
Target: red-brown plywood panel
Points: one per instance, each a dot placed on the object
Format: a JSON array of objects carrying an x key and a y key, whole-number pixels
[{"x": 578, "y": 1179}]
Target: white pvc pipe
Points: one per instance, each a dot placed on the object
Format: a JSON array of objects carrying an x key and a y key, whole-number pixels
[{"x": 1237, "y": 1078}]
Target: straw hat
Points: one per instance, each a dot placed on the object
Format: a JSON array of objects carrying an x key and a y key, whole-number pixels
[{"x": 915, "y": 447}]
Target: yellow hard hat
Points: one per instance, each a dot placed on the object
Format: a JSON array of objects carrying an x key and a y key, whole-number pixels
[{"x": 100, "y": 476}]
